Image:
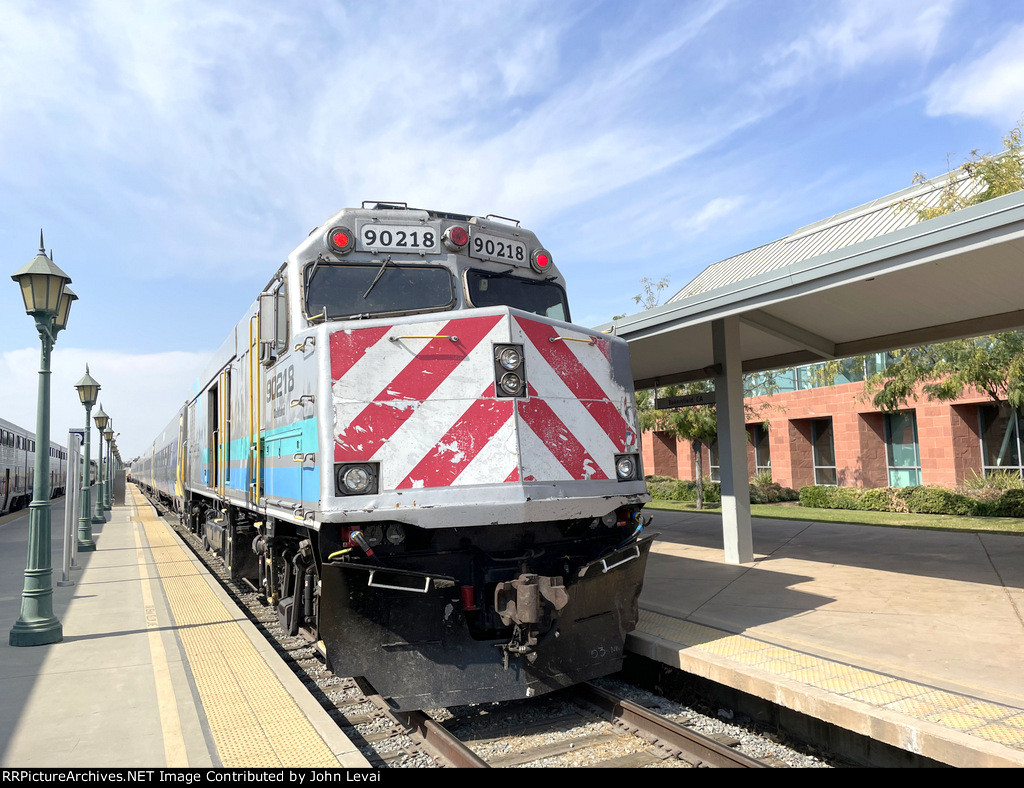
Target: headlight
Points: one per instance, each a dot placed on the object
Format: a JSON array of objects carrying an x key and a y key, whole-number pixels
[
  {"x": 626, "y": 467},
  {"x": 510, "y": 358},
  {"x": 509, "y": 371},
  {"x": 511, "y": 384},
  {"x": 360, "y": 479}
]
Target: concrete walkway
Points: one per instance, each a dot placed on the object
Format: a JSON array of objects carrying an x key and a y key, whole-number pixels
[
  {"x": 120, "y": 691},
  {"x": 893, "y": 617}
]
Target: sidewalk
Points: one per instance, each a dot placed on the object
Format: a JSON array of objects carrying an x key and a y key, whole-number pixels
[
  {"x": 133, "y": 684},
  {"x": 912, "y": 637}
]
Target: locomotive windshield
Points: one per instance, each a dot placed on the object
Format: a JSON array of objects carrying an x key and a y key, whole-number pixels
[
  {"x": 386, "y": 288},
  {"x": 540, "y": 297}
]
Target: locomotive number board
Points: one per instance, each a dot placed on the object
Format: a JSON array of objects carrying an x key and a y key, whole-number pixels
[
  {"x": 375, "y": 237},
  {"x": 492, "y": 247}
]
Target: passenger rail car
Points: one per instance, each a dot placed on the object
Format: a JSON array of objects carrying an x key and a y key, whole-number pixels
[
  {"x": 407, "y": 446},
  {"x": 17, "y": 467}
]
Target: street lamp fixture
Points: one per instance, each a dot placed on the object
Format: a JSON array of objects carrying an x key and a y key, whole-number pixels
[
  {"x": 100, "y": 419},
  {"x": 88, "y": 390},
  {"x": 48, "y": 300},
  {"x": 108, "y": 433}
]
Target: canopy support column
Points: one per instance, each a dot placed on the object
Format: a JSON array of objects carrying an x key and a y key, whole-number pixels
[{"x": 732, "y": 441}]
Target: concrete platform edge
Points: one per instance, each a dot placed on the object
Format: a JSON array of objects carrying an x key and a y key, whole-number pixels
[
  {"x": 917, "y": 736},
  {"x": 344, "y": 750}
]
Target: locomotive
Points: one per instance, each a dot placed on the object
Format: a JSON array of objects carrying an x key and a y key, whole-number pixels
[
  {"x": 17, "y": 467},
  {"x": 407, "y": 447}
]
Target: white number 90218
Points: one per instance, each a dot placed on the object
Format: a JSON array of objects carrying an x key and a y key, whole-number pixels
[{"x": 398, "y": 238}]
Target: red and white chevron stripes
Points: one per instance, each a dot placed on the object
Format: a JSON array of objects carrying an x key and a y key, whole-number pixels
[{"x": 426, "y": 410}]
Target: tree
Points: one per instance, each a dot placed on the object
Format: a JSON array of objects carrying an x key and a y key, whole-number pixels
[
  {"x": 650, "y": 296},
  {"x": 993, "y": 175},
  {"x": 994, "y": 363},
  {"x": 697, "y": 424}
]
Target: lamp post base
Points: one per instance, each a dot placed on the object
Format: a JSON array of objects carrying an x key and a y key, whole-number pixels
[
  {"x": 85, "y": 540},
  {"x": 40, "y": 632}
]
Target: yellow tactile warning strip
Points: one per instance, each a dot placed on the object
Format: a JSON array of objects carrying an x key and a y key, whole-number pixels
[
  {"x": 255, "y": 723},
  {"x": 990, "y": 721},
  {"x": 175, "y": 752}
]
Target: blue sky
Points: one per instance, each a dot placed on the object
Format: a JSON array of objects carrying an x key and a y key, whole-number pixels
[{"x": 175, "y": 153}]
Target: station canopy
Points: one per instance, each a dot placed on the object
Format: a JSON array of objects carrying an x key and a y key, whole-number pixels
[{"x": 870, "y": 279}]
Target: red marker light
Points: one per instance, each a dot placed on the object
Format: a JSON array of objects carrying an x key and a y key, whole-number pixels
[
  {"x": 540, "y": 261},
  {"x": 340, "y": 240},
  {"x": 455, "y": 238}
]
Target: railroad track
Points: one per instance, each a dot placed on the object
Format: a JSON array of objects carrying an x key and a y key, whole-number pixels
[
  {"x": 591, "y": 726},
  {"x": 585, "y": 725}
]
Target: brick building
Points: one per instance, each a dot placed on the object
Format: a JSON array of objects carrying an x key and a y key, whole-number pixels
[{"x": 833, "y": 435}]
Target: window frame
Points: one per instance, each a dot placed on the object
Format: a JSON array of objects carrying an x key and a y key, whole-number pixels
[
  {"x": 308, "y": 272},
  {"x": 510, "y": 275},
  {"x": 818, "y": 468}
]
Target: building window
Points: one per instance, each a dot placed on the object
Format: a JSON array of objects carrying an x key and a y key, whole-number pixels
[
  {"x": 762, "y": 455},
  {"x": 824, "y": 451},
  {"x": 716, "y": 466},
  {"x": 902, "y": 450},
  {"x": 1000, "y": 438}
]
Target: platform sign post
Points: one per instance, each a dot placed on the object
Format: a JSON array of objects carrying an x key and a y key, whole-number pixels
[{"x": 75, "y": 439}]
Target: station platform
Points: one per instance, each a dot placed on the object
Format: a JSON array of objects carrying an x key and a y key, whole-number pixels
[
  {"x": 157, "y": 667},
  {"x": 914, "y": 638}
]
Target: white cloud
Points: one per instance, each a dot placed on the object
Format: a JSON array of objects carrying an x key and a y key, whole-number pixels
[
  {"x": 990, "y": 86},
  {"x": 713, "y": 211},
  {"x": 140, "y": 392},
  {"x": 867, "y": 32}
]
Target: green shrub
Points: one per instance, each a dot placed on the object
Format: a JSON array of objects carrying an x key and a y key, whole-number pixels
[
  {"x": 662, "y": 490},
  {"x": 1011, "y": 504},
  {"x": 879, "y": 499},
  {"x": 712, "y": 491},
  {"x": 938, "y": 500},
  {"x": 814, "y": 496},
  {"x": 770, "y": 492}
]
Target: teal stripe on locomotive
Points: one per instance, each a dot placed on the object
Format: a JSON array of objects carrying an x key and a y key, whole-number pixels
[{"x": 283, "y": 476}]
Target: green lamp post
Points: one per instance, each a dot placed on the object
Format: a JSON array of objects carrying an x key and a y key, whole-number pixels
[
  {"x": 100, "y": 419},
  {"x": 108, "y": 433},
  {"x": 88, "y": 390},
  {"x": 48, "y": 299}
]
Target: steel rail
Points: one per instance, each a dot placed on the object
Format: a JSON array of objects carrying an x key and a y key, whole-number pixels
[
  {"x": 665, "y": 732},
  {"x": 435, "y": 737}
]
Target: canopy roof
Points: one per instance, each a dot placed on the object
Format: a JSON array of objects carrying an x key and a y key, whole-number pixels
[{"x": 861, "y": 282}]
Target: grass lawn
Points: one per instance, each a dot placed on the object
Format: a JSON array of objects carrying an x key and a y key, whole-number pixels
[{"x": 935, "y": 522}]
